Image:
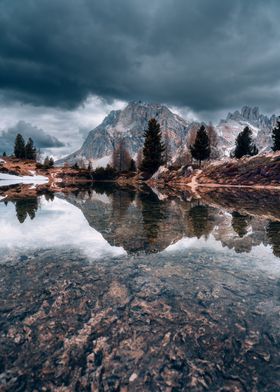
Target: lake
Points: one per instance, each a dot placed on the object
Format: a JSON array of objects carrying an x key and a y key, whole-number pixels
[{"x": 124, "y": 289}]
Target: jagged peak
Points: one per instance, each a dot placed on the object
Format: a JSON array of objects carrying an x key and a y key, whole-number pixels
[
  {"x": 146, "y": 105},
  {"x": 251, "y": 114}
]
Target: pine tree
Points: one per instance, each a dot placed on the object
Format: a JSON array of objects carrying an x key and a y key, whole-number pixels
[
  {"x": 244, "y": 144},
  {"x": 51, "y": 162},
  {"x": 201, "y": 150},
  {"x": 276, "y": 137},
  {"x": 19, "y": 148},
  {"x": 153, "y": 148},
  {"x": 132, "y": 167},
  {"x": 30, "y": 150},
  {"x": 4, "y": 154}
]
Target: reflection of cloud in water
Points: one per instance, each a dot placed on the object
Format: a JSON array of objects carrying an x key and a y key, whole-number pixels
[
  {"x": 57, "y": 224},
  {"x": 187, "y": 243},
  {"x": 260, "y": 257}
]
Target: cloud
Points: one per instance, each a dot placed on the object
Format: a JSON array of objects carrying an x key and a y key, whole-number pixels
[
  {"x": 40, "y": 137},
  {"x": 206, "y": 55},
  {"x": 69, "y": 126}
]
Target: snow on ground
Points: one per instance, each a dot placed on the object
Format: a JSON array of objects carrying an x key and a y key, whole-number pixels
[{"x": 10, "y": 179}]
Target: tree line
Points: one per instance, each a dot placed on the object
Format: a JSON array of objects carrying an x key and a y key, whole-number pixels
[
  {"x": 24, "y": 150},
  {"x": 202, "y": 145},
  {"x": 28, "y": 151}
]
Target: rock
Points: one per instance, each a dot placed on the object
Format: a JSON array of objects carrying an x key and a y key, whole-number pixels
[{"x": 133, "y": 377}]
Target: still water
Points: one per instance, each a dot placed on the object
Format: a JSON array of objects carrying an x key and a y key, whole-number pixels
[{"x": 118, "y": 289}]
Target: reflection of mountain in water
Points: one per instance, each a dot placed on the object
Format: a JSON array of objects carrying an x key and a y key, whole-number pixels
[
  {"x": 137, "y": 221},
  {"x": 144, "y": 221}
]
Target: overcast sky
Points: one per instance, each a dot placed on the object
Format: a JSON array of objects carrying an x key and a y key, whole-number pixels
[{"x": 64, "y": 64}]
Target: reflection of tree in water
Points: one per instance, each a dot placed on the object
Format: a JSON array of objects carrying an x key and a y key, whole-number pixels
[
  {"x": 200, "y": 222},
  {"x": 152, "y": 213},
  {"x": 121, "y": 200},
  {"x": 240, "y": 223},
  {"x": 49, "y": 196},
  {"x": 26, "y": 207},
  {"x": 273, "y": 236}
]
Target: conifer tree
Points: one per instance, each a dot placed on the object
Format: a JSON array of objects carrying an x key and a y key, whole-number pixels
[
  {"x": 51, "y": 162},
  {"x": 30, "y": 150},
  {"x": 153, "y": 148},
  {"x": 201, "y": 150},
  {"x": 276, "y": 136},
  {"x": 19, "y": 148},
  {"x": 4, "y": 154},
  {"x": 244, "y": 144},
  {"x": 132, "y": 167}
]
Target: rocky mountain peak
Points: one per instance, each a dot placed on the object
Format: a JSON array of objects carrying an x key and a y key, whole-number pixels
[
  {"x": 253, "y": 116},
  {"x": 129, "y": 125}
]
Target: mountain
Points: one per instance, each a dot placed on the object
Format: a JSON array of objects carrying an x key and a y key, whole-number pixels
[
  {"x": 129, "y": 124},
  {"x": 261, "y": 126}
]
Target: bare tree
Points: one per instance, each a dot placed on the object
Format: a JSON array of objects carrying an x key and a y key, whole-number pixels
[
  {"x": 121, "y": 158},
  {"x": 183, "y": 157},
  {"x": 81, "y": 164},
  {"x": 139, "y": 158},
  {"x": 192, "y": 135},
  {"x": 39, "y": 156},
  {"x": 167, "y": 153},
  {"x": 214, "y": 140}
]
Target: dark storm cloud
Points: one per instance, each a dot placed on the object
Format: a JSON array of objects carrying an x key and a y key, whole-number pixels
[
  {"x": 205, "y": 54},
  {"x": 40, "y": 137}
]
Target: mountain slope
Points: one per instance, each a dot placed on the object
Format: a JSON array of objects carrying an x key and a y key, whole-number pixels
[
  {"x": 260, "y": 125},
  {"x": 129, "y": 124}
]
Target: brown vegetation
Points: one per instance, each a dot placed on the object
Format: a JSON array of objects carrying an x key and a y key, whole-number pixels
[{"x": 256, "y": 170}]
